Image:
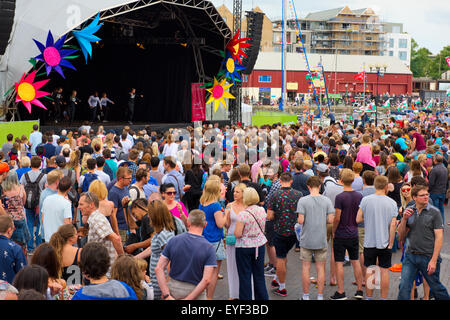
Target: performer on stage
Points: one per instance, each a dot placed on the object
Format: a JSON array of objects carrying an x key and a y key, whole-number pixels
[
  {"x": 94, "y": 102},
  {"x": 73, "y": 102},
  {"x": 57, "y": 103},
  {"x": 131, "y": 104},
  {"x": 104, "y": 108}
]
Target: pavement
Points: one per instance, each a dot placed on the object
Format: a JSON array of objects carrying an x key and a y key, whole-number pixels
[{"x": 293, "y": 277}]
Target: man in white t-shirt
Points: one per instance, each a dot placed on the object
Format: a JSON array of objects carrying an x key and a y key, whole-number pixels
[
  {"x": 126, "y": 144},
  {"x": 57, "y": 209},
  {"x": 102, "y": 176}
]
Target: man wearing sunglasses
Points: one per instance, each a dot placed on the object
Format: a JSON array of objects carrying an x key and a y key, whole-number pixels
[{"x": 423, "y": 226}]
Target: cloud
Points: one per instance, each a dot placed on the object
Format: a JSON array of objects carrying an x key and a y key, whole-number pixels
[{"x": 426, "y": 21}]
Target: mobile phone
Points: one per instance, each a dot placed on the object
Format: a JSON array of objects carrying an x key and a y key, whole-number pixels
[{"x": 5, "y": 202}]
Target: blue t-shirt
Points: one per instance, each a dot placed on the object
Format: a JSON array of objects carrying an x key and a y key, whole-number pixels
[
  {"x": 211, "y": 232},
  {"x": 21, "y": 171},
  {"x": 116, "y": 195},
  {"x": 188, "y": 265}
]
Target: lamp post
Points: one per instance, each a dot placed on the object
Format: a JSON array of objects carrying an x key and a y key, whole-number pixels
[
  {"x": 380, "y": 70},
  {"x": 346, "y": 94}
]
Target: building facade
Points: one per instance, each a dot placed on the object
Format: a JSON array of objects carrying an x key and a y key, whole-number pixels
[
  {"x": 397, "y": 43},
  {"x": 264, "y": 83}
]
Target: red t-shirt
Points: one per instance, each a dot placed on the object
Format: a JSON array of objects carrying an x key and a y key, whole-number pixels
[{"x": 420, "y": 141}]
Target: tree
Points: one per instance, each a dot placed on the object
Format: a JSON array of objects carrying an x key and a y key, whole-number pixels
[
  {"x": 439, "y": 65},
  {"x": 420, "y": 60}
]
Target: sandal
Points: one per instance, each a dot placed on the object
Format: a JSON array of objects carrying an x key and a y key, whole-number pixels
[
  {"x": 332, "y": 284},
  {"x": 219, "y": 276}
]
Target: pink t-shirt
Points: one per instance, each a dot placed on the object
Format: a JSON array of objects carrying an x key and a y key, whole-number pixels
[
  {"x": 177, "y": 213},
  {"x": 365, "y": 155}
]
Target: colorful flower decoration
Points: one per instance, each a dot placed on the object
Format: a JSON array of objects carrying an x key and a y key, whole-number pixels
[
  {"x": 219, "y": 93},
  {"x": 86, "y": 36},
  {"x": 236, "y": 45},
  {"x": 53, "y": 54},
  {"x": 28, "y": 92},
  {"x": 232, "y": 68}
]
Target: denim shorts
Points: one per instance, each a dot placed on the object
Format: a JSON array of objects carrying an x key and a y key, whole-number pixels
[{"x": 219, "y": 248}]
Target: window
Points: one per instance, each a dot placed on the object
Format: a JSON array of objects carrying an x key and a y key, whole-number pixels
[
  {"x": 265, "y": 79},
  {"x": 391, "y": 53},
  {"x": 403, "y": 43},
  {"x": 403, "y": 55},
  {"x": 391, "y": 43},
  {"x": 245, "y": 78},
  {"x": 396, "y": 29}
]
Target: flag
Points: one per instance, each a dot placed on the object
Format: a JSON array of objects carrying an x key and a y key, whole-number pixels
[
  {"x": 430, "y": 104},
  {"x": 371, "y": 107},
  {"x": 387, "y": 104},
  {"x": 361, "y": 76},
  {"x": 418, "y": 101},
  {"x": 448, "y": 61},
  {"x": 403, "y": 106}
]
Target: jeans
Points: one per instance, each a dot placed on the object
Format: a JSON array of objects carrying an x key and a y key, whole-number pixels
[
  {"x": 93, "y": 113},
  {"x": 130, "y": 111},
  {"x": 410, "y": 267},
  {"x": 32, "y": 218},
  {"x": 247, "y": 267},
  {"x": 438, "y": 202}
]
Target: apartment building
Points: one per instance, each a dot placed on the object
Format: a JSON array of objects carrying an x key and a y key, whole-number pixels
[{"x": 397, "y": 42}]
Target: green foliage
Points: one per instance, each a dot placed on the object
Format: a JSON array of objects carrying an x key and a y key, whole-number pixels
[{"x": 425, "y": 64}]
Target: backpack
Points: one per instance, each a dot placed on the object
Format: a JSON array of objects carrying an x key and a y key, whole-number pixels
[
  {"x": 73, "y": 193},
  {"x": 88, "y": 178},
  {"x": 138, "y": 195},
  {"x": 32, "y": 191}
]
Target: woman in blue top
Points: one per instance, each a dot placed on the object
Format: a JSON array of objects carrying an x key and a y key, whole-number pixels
[{"x": 213, "y": 232}]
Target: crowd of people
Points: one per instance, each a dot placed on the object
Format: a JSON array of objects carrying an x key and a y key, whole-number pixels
[{"x": 88, "y": 215}]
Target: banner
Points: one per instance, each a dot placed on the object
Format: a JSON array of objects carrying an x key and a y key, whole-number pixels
[
  {"x": 198, "y": 102},
  {"x": 17, "y": 128},
  {"x": 448, "y": 61}
]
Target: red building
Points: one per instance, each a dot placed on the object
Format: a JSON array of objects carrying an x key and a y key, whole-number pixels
[{"x": 340, "y": 72}]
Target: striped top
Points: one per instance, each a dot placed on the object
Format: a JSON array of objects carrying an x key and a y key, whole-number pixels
[{"x": 159, "y": 241}]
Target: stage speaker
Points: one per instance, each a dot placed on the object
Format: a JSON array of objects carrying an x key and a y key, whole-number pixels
[
  {"x": 7, "y": 10},
  {"x": 254, "y": 32}
]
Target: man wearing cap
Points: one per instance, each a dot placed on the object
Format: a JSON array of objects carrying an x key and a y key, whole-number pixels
[{"x": 173, "y": 176}]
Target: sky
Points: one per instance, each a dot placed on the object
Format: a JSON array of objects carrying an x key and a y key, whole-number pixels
[{"x": 428, "y": 21}]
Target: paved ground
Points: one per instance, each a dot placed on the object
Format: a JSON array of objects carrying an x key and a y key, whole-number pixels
[{"x": 294, "y": 286}]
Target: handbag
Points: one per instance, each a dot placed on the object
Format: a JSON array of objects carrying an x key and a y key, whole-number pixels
[{"x": 230, "y": 240}]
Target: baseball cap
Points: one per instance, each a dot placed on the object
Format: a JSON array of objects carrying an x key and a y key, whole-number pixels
[
  {"x": 60, "y": 160},
  {"x": 322, "y": 167},
  {"x": 4, "y": 167}
]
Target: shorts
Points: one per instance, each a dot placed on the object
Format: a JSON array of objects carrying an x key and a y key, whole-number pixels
[
  {"x": 341, "y": 245},
  {"x": 361, "y": 239},
  {"x": 283, "y": 244},
  {"x": 269, "y": 232},
  {"x": 320, "y": 255},
  {"x": 180, "y": 289},
  {"x": 384, "y": 257},
  {"x": 219, "y": 248}
]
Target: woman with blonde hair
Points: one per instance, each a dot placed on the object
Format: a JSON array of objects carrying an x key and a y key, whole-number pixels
[
  {"x": 84, "y": 160},
  {"x": 105, "y": 206},
  {"x": 97, "y": 145},
  {"x": 250, "y": 244},
  {"x": 63, "y": 242},
  {"x": 74, "y": 163},
  {"x": 231, "y": 213},
  {"x": 126, "y": 269},
  {"x": 213, "y": 232}
]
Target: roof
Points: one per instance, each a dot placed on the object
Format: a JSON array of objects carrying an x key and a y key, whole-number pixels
[
  {"x": 324, "y": 15},
  {"x": 345, "y": 63}
]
